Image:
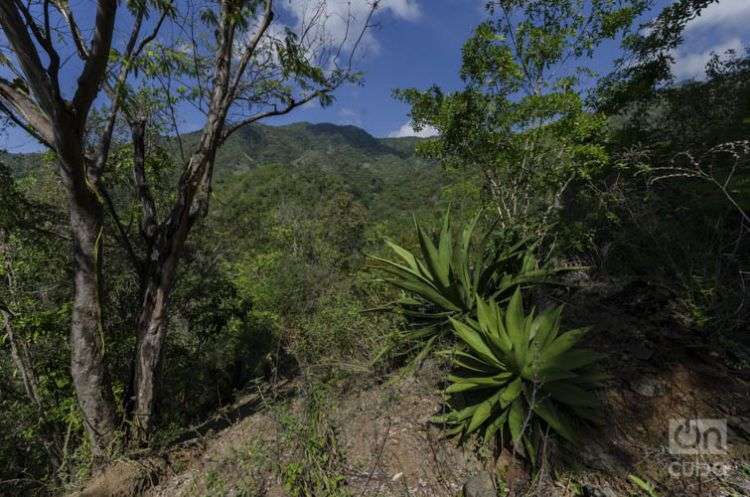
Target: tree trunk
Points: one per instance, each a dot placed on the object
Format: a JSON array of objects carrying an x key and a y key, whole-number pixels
[
  {"x": 165, "y": 250},
  {"x": 151, "y": 330},
  {"x": 37, "y": 104},
  {"x": 88, "y": 368}
]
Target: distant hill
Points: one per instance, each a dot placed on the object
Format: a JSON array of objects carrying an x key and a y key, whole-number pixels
[
  {"x": 301, "y": 142},
  {"x": 307, "y": 143},
  {"x": 384, "y": 174},
  {"x": 21, "y": 164},
  {"x": 382, "y": 171}
]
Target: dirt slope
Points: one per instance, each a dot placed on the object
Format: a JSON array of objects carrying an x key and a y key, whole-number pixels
[{"x": 377, "y": 440}]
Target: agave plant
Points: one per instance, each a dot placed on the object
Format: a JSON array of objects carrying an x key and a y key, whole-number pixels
[
  {"x": 444, "y": 279},
  {"x": 519, "y": 375}
]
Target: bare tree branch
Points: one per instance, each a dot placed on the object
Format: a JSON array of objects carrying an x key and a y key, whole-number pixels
[
  {"x": 24, "y": 112},
  {"x": 148, "y": 207},
  {"x": 64, "y": 9},
  {"x": 45, "y": 41},
  {"x": 116, "y": 96},
  {"x": 293, "y": 104},
  {"x": 121, "y": 231},
  {"x": 249, "y": 51},
  {"x": 25, "y": 50},
  {"x": 96, "y": 64}
]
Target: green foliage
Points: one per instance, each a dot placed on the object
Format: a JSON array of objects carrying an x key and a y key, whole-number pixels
[
  {"x": 269, "y": 283},
  {"x": 449, "y": 273},
  {"x": 520, "y": 374},
  {"x": 35, "y": 292},
  {"x": 339, "y": 337},
  {"x": 644, "y": 486},
  {"x": 650, "y": 52},
  {"x": 522, "y": 131},
  {"x": 274, "y": 281},
  {"x": 692, "y": 116},
  {"x": 682, "y": 231}
]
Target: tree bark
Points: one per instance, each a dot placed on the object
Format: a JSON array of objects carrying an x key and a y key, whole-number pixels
[
  {"x": 151, "y": 330},
  {"x": 88, "y": 368}
]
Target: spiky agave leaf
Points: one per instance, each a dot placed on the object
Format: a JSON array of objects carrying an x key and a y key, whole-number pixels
[
  {"x": 445, "y": 277},
  {"x": 519, "y": 374}
]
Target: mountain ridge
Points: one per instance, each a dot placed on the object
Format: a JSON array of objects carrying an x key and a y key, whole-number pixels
[
  {"x": 300, "y": 142},
  {"x": 305, "y": 142}
]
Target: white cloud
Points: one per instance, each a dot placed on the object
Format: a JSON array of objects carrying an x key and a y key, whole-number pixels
[
  {"x": 337, "y": 20},
  {"x": 349, "y": 116},
  {"x": 404, "y": 9},
  {"x": 725, "y": 14},
  {"x": 693, "y": 65},
  {"x": 408, "y": 130},
  {"x": 720, "y": 27}
]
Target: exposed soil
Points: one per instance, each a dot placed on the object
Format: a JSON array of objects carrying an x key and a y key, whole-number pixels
[{"x": 386, "y": 446}]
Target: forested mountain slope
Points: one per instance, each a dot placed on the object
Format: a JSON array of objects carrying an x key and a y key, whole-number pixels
[
  {"x": 304, "y": 142},
  {"x": 374, "y": 170},
  {"x": 383, "y": 173}
]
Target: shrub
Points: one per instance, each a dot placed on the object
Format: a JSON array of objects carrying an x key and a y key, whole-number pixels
[
  {"x": 338, "y": 337},
  {"x": 519, "y": 374}
]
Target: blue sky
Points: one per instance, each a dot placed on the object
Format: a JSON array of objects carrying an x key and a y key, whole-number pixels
[
  {"x": 426, "y": 50},
  {"x": 415, "y": 52},
  {"x": 418, "y": 43}
]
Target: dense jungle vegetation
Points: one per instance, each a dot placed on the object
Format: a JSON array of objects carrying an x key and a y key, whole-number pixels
[{"x": 152, "y": 277}]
